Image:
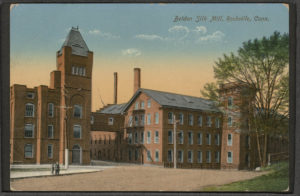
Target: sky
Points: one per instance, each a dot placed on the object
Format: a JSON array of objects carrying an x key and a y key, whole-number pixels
[{"x": 174, "y": 55}]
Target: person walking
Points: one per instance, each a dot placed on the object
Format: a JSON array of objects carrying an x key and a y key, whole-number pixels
[
  {"x": 56, "y": 168},
  {"x": 52, "y": 168}
]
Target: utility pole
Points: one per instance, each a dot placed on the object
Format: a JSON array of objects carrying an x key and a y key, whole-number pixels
[{"x": 175, "y": 160}]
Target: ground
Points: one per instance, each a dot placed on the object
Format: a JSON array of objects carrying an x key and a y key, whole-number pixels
[{"x": 135, "y": 178}]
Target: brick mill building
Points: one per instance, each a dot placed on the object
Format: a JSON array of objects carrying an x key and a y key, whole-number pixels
[{"x": 45, "y": 121}]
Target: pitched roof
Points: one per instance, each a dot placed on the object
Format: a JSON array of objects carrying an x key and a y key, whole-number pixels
[
  {"x": 166, "y": 99},
  {"x": 112, "y": 109},
  {"x": 76, "y": 42}
]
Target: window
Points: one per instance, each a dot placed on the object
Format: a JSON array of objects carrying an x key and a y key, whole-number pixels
[
  {"x": 110, "y": 121},
  {"x": 130, "y": 138},
  {"x": 142, "y": 119},
  {"x": 142, "y": 104},
  {"x": 77, "y": 111},
  {"x": 29, "y": 130},
  {"x": 136, "y": 154},
  {"x": 136, "y": 120},
  {"x": 208, "y": 139},
  {"x": 170, "y": 155},
  {"x": 29, "y": 110},
  {"x": 190, "y": 137},
  {"x": 28, "y": 151},
  {"x": 129, "y": 154},
  {"x": 199, "y": 138},
  {"x": 230, "y": 101},
  {"x": 180, "y": 156},
  {"x": 149, "y": 103},
  {"x": 217, "y": 123},
  {"x": 136, "y": 138},
  {"x": 208, "y": 121},
  {"x": 76, "y": 70},
  {"x": 229, "y": 139},
  {"x": 30, "y": 95},
  {"x": 77, "y": 131},
  {"x": 149, "y": 137},
  {"x": 136, "y": 106},
  {"x": 156, "y": 139},
  {"x": 156, "y": 118},
  {"x": 50, "y": 109},
  {"x": 142, "y": 137},
  {"x": 208, "y": 157},
  {"x": 181, "y": 139},
  {"x": 130, "y": 121},
  {"x": 191, "y": 119},
  {"x": 149, "y": 155},
  {"x": 148, "y": 119},
  {"x": 156, "y": 155},
  {"x": 181, "y": 118},
  {"x": 50, "y": 151},
  {"x": 199, "y": 157},
  {"x": 217, "y": 157},
  {"x": 229, "y": 121},
  {"x": 50, "y": 131},
  {"x": 200, "y": 121},
  {"x": 229, "y": 157},
  {"x": 190, "y": 156},
  {"x": 170, "y": 137},
  {"x": 92, "y": 120},
  {"x": 170, "y": 117},
  {"x": 217, "y": 139}
]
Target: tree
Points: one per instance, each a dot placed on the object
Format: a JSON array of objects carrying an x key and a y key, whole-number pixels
[{"x": 262, "y": 65}]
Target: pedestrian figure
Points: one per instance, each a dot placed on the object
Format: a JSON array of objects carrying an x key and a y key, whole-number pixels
[
  {"x": 56, "y": 168},
  {"x": 52, "y": 168}
]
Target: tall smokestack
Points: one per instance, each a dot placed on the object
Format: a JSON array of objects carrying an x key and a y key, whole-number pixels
[
  {"x": 137, "y": 79},
  {"x": 115, "y": 88}
]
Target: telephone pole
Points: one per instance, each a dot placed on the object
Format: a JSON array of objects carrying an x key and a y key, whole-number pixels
[{"x": 175, "y": 136}]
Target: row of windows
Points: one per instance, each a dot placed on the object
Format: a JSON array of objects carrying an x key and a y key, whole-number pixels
[
  {"x": 29, "y": 151},
  {"x": 141, "y": 105},
  {"x": 78, "y": 70},
  {"x": 139, "y": 138},
  {"x": 190, "y": 156},
  {"x": 140, "y": 119},
  {"x": 99, "y": 141}
]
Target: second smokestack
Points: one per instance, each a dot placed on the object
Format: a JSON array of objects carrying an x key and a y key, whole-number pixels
[
  {"x": 137, "y": 79},
  {"x": 115, "y": 88}
]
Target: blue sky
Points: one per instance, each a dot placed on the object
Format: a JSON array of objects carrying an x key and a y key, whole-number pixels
[{"x": 128, "y": 35}]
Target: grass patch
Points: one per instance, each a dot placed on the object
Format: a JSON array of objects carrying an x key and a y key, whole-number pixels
[{"x": 275, "y": 181}]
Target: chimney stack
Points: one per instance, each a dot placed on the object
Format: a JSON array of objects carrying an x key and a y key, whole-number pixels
[
  {"x": 115, "y": 87},
  {"x": 137, "y": 79}
]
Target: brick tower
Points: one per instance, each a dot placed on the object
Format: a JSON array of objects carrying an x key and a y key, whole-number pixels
[{"x": 75, "y": 62}]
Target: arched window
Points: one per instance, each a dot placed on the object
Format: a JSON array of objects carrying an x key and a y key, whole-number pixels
[
  {"x": 77, "y": 131},
  {"x": 29, "y": 110}
]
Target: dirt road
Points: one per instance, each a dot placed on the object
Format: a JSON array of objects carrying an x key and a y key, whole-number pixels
[{"x": 134, "y": 178}]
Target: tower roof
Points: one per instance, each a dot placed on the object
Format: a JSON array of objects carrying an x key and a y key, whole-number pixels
[{"x": 76, "y": 42}]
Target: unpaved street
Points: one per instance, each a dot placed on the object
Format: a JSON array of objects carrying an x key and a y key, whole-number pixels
[{"x": 134, "y": 178}]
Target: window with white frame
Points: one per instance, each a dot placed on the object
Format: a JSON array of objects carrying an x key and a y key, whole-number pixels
[
  {"x": 149, "y": 155},
  {"x": 130, "y": 121},
  {"x": 142, "y": 104},
  {"x": 78, "y": 70},
  {"x": 181, "y": 118},
  {"x": 229, "y": 121},
  {"x": 136, "y": 120},
  {"x": 129, "y": 138},
  {"x": 217, "y": 123},
  {"x": 191, "y": 119},
  {"x": 29, "y": 110},
  {"x": 156, "y": 118},
  {"x": 149, "y": 103},
  {"x": 229, "y": 139},
  {"x": 142, "y": 137},
  {"x": 170, "y": 117},
  {"x": 190, "y": 156},
  {"x": 170, "y": 137},
  {"x": 136, "y": 106},
  {"x": 200, "y": 121},
  {"x": 156, "y": 155},
  {"x": 170, "y": 155},
  {"x": 110, "y": 120},
  {"x": 217, "y": 157},
  {"x": 217, "y": 139},
  {"x": 148, "y": 137},
  {"x": 208, "y": 121},
  {"x": 77, "y": 131},
  {"x": 199, "y": 138},
  {"x": 136, "y": 138},
  {"x": 230, "y": 102},
  {"x": 208, "y": 156},
  {"x": 180, "y": 156},
  {"x": 156, "y": 137},
  {"x": 181, "y": 137},
  {"x": 29, "y": 131},
  {"x": 30, "y": 95},
  {"x": 148, "y": 119},
  {"x": 142, "y": 119},
  {"x": 50, "y": 131},
  {"x": 50, "y": 109},
  {"x": 199, "y": 157},
  {"x": 28, "y": 151},
  {"x": 50, "y": 151},
  {"x": 190, "y": 137},
  {"x": 77, "y": 111},
  {"x": 208, "y": 138},
  {"x": 229, "y": 157}
]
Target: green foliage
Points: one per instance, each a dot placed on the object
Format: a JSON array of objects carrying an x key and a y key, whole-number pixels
[{"x": 210, "y": 91}]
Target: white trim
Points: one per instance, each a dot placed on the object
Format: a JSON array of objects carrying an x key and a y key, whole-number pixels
[
  {"x": 231, "y": 157},
  {"x": 29, "y": 104},
  {"x": 229, "y": 143},
  {"x": 32, "y": 125}
]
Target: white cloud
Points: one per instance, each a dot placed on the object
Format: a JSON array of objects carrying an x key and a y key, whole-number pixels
[
  {"x": 216, "y": 36},
  {"x": 131, "y": 52},
  {"x": 103, "y": 34},
  {"x": 200, "y": 29},
  {"x": 149, "y": 37},
  {"x": 178, "y": 28}
]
